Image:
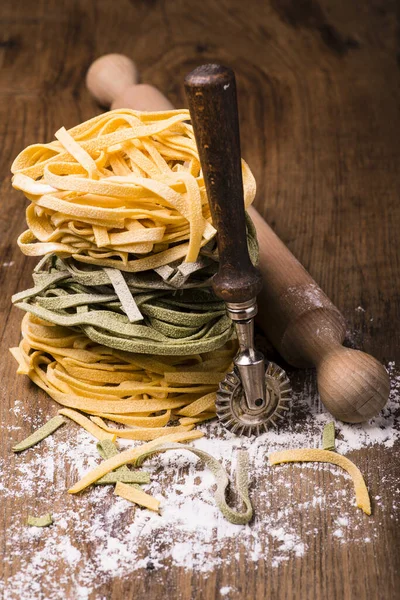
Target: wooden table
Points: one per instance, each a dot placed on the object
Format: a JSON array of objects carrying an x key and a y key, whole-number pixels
[{"x": 320, "y": 120}]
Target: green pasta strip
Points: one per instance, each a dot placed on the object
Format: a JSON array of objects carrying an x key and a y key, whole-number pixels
[
  {"x": 221, "y": 479},
  {"x": 40, "y": 434},
  {"x": 43, "y": 521},
  {"x": 124, "y": 294},
  {"x": 328, "y": 436},
  {"x": 107, "y": 449},
  {"x": 130, "y": 477}
]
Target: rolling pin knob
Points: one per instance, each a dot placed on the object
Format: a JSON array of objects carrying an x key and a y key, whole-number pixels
[
  {"x": 109, "y": 76},
  {"x": 353, "y": 385},
  {"x": 113, "y": 81}
]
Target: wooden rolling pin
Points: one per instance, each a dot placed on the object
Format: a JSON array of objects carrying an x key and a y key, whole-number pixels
[{"x": 296, "y": 315}]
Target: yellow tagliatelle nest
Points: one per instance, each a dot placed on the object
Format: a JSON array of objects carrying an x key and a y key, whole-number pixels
[
  {"x": 121, "y": 190},
  {"x": 141, "y": 392}
]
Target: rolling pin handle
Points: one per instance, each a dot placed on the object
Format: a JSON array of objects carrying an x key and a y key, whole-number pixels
[
  {"x": 109, "y": 76},
  {"x": 211, "y": 94}
]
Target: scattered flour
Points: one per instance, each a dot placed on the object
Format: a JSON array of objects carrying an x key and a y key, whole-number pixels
[{"x": 97, "y": 536}]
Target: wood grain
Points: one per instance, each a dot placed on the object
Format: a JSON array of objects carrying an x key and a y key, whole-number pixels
[{"x": 319, "y": 100}]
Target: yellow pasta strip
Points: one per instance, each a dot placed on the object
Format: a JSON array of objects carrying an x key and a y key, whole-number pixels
[
  {"x": 77, "y": 152},
  {"x": 101, "y": 236},
  {"x": 203, "y": 404},
  {"x": 137, "y": 496},
  {"x": 191, "y": 377},
  {"x": 140, "y": 421},
  {"x": 23, "y": 367},
  {"x": 131, "y": 266},
  {"x": 129, "y": 456},
  {"x": 206, "y": 416},
  {"x": 326, "y": 456},
  {"x": 143, "y": 434},
  {"x": 87, "y": 424}
]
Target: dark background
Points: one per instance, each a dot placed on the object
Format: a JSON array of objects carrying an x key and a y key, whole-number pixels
[{"x": 320, "y": 121}]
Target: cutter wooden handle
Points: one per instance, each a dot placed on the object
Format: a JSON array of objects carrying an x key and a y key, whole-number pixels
[{"x": 211, "y": 93}]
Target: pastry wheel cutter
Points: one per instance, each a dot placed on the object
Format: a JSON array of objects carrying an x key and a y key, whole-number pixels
[{"x": 254, "y": 395}]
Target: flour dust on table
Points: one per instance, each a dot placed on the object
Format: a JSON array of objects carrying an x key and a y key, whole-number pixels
[{"x": 115, "y": 538}]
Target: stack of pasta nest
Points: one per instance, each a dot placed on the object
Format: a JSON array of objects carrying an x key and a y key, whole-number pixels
[{"x": 121, "y": 323}]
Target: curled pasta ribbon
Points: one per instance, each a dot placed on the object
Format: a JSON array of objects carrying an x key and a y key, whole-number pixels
[
  {"x": 116, "y": 462},
  {"x": 327, "y": 456},
  {"x": 140, "y": 392},
  {"x": 221, "y": 479},
  {"x": 153, "y": 321},
  {"x": 123, "y": 190}
]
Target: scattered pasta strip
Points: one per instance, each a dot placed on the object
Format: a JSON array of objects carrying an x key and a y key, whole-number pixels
[
  {"x": 221, "y": 479},
  {"x": 328, "y": 436},
  {"x": 136, "y": 496},
  {"x": 129, "y": 388},
  {"x": 86, "y": 423},
  {"x": 43, "y": 521},
  {"x": 116, "y": 187},
  {"x": 107, "y": 449},
  {"x": 129, "y": 456},
  {"x": 40, "y": 434},
  {"x": 312, "y": 455},
  {"x": 130, "y": 477}
]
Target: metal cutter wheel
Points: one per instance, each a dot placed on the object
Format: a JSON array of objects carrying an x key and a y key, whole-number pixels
[{"x": 254, "y": 394}]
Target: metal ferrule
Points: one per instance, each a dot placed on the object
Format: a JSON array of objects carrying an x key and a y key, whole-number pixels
[
  {"x": 249, "y": 361},
  {"x": 242, "y": 311}
]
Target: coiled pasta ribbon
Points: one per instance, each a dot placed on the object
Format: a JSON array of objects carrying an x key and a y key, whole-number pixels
[
  {"x": 145, "y": 393},
  {"x": 165, "y": 322},
  {"x": 171, "y": 311},
  {"x": 122, "y": 190}
]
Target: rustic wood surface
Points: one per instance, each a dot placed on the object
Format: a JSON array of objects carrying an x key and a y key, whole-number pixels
[{"x": 320, "y": 122}]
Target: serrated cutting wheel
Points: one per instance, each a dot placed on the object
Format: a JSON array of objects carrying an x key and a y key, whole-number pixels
[
  {"x": 232, "y": 409},
  {"x": 255, "y": 393}
]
